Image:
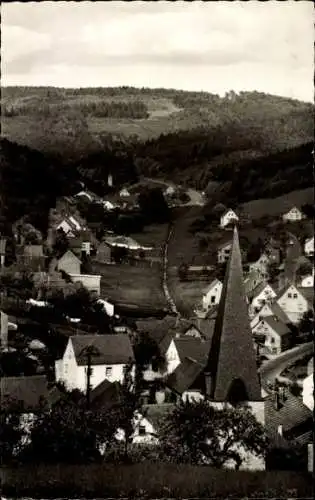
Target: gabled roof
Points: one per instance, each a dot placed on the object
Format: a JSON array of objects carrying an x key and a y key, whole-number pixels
[
  {"x": 69, "y": 253},
  {"x": 113, "y": 349},
  {"x": 308, "y": 294},
  {"x": 214, "y": 283},
  {"x": 232, "y": 355},
  {"x": 258, "y": 289},
  {"x": 280, "y": 328},
  {"x": 192, "y": 348},
  {"x": 227, "y": 211},
  {"x": 105, "y": 395},
  {"x": 294, "y": 207},
  {"x": 225, "y": 244},
  {"x": 29, "y": 393},
  {"x": 184, "y": 376},
  {"x": 279, "y": 312}
]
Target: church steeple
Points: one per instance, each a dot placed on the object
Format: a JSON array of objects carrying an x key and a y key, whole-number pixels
[{"x": 232, "y": 369}]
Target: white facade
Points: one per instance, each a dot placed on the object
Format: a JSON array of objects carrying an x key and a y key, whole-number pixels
[
  {"x": 308, "y": 281},
  {"x": 224, "y": 253},
  {"x": 261, "y": 266},
  {"x": 67, "y": 228},
  {"x": 86, "y": 247},
  {"x": 213, "y": 295},
  {"x": 74, "y": 376},
  {"x": 293, "y": 215},
  {"x": 91, "y": 282},
  {"x": 172, "y": 358},
  {"x": 308, "y": 391},
  {"x": 293, "y": 304},
  {"x": 309, "y": 247},
  {"x": 264, "y": 311},
  {"x": 266, "y": 295},
  {"x": 227, "y": 218},
  {"x": 124, "y": 193},
  {"x": 272, "y": 338},
  {"x": 69, "y": 263}
]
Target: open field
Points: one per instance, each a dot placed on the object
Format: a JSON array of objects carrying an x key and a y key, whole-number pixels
[
  {"x": 136, "y": 286},
  {"x": 151, "y": 480},
  {"x": 277, "y": 206},
  {"x": 186, "y": 294}
]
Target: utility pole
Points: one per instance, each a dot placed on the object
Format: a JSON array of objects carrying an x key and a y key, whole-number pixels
[{"x": 89, "y": 351}]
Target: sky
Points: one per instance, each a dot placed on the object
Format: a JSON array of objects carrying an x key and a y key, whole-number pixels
[{"x": 208, "y": 46}]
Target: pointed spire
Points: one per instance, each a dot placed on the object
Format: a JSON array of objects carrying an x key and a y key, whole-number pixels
[{"x": 232, "y": 357}]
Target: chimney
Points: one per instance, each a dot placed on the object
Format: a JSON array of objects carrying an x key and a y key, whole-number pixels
[
  {"x": 4, "y": 331},
  {"x": 277, "y": 399}
]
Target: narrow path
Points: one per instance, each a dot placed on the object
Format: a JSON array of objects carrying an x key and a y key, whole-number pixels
[{"x": 168, "y": 296}]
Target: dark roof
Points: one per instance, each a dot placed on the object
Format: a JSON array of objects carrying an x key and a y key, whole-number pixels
[
  {"x": 156, "y": 412},
  {"x": 105, "y": 395},
  {"x": 279, "y": 312},
  {"x": 113, "y": 349},
  {"x": 232, "y": 354},
  {"x": 292, "y": 414},
  {"x": 280, "y": 328},
  {"x": 258, "y": 289},
  {"x": 192, "y": 348},
  {"x": 184, "y": 376},
  {"x": 308, "y": 294},
  {"x": 30, "y": 393}
]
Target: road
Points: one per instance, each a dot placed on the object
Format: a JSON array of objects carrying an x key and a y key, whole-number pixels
[
  {"x": 196, "y": 197},
  {"x": 272, "y": 368},
  {"x": 167, "y": 294}
]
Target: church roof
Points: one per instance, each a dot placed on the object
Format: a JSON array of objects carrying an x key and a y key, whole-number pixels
[{"x": 232, "y": 354}]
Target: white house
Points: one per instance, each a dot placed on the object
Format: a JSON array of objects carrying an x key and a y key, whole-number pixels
[
  {"x": 293, "y": 302},
  {"x": 227, "y": 217},
  {"x": 108, "y": 205},
  {"x": 91, "y": 282},
  {"x": 294, "y": 214},
  {"x": 69, "y": 263},
  {"x": 169, "y": 191},
  {"x": 186, "y": 347},
  {"x": 212, "y": 294},
  {"x": 261, "y": 265},
  {"x": 309, "y": 247},
  {"x": 70, "y": 225},
  {"x": 261, "y": 295},
  {"x": 307, "y": 281},
  {"x": 270, "y": 309},
  {"x": 277, "y": 334},
  {"x": 112, "y": 355},
  {"x": 224, "y": 252},
  {"x": 109, "y": 308},
  {"x": 124, "y": 193}
]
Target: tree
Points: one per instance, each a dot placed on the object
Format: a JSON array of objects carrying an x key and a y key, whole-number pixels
[
  {"x": 11, "y": 431},
  {"x": 198, "y": 433},
  {"x": 153, "y": 206},
  {"x": 273, "y": 271},
  {"x": 69, "y": 433},
  {"x": 61, "y": 243},
  {"x": 305, "y": 328}
]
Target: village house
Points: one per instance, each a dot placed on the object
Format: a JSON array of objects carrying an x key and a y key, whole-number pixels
[
  {"x": 108, "y": 205},
  {"x": 252, "y": 280},
  {"x": 309, "y": 247},
  {"x": 224, "y": 252},
  {"x": 294, "y": 214},
  {"x": 147, "y": 422},
  {"x": 261, "y": 265},
  {"x": 307, "y": 281},
  {"x": 69, "y": 263},
  {"x": 294, "y": 302},
  {"x": 124, "y": 193},
  {"x": 262, "y": 294},
  {"x": 270, "y": 309},
  {"x": 112, "y": 355},
  {"x": 104, "y": 253},
  {"x": 227, "y": 218},
  {"x": 212, "y": 294},
  {"x": 181, "y": 348},
  {"x": 27, "y": 396},
  {"x": 91, "y": 282},
  {"x": 308, "y": 386},
  {"x": 278, "y": 336},
  {"x": 169, "y": 191}
]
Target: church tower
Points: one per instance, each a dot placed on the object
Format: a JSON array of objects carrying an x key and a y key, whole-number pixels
[{"x": 231, "y": 375}]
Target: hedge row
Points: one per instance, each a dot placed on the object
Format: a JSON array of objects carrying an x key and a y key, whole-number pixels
[{"x": 151, "y": 480}]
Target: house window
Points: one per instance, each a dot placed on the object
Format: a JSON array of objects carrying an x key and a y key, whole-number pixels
[
  {"x": 290, "y": 295},
  {"x": 212, "y": 299},
  {"x": 295, "y": 295},
  {"x": 108, "y": 371},
  {"x": 142, "y": 430},
  {"x": 272, "y": 340}
]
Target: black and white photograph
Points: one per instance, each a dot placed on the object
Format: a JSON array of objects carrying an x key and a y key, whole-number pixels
[{"x": 157, "y": 250}]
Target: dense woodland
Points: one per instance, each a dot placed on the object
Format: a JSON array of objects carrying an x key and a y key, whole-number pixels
[{"x": 248, "y": 145}]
